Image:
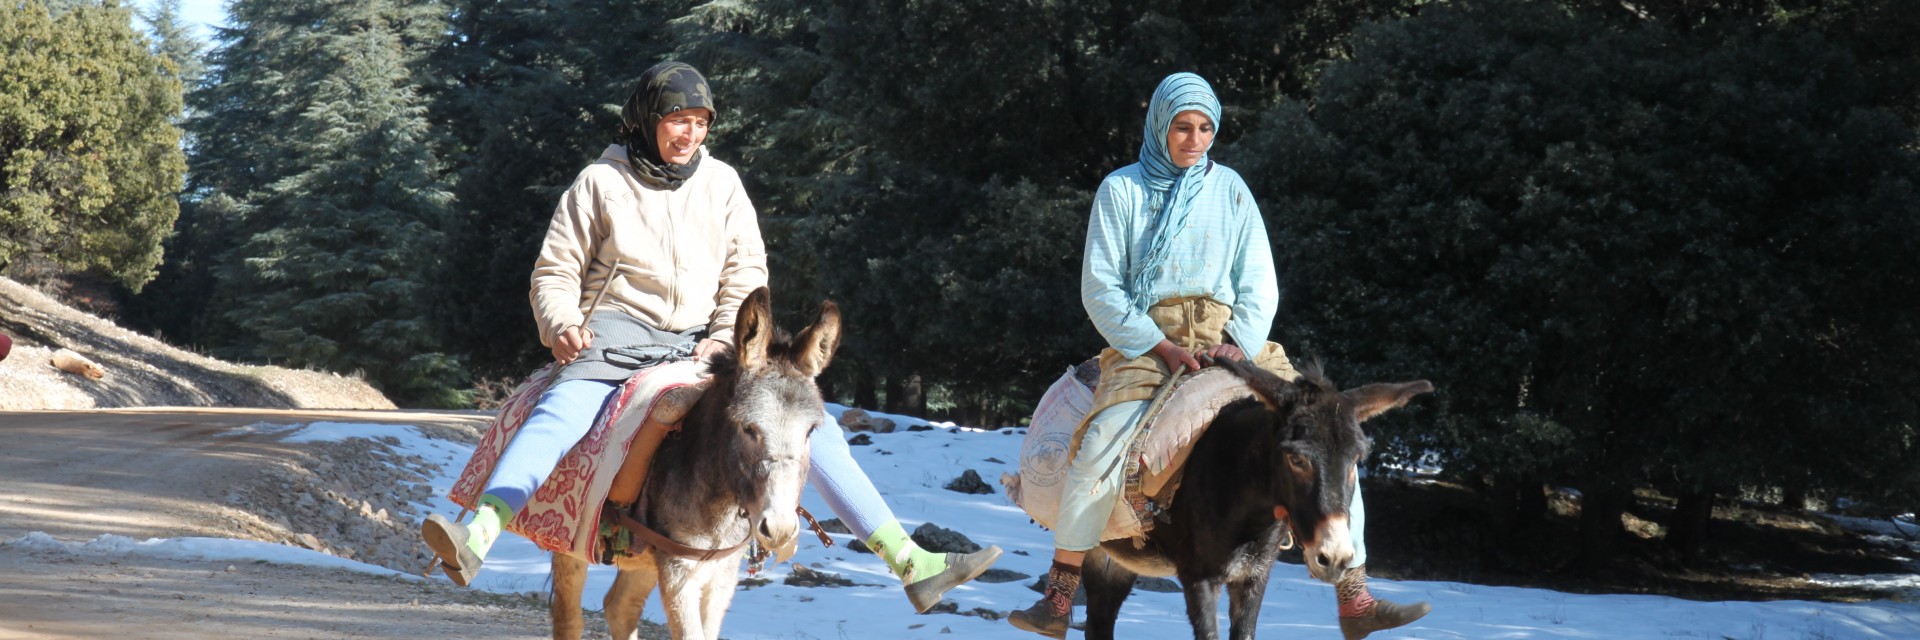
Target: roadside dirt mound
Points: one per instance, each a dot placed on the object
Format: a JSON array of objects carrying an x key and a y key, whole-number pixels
[
  {"x": 142, "y": 371},
  {"x": 74, "y": 476}
]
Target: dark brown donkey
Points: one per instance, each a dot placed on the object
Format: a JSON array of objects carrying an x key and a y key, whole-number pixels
[
  {"x": 1284, "y": 459},
  {"x": 734, "y": 471}
]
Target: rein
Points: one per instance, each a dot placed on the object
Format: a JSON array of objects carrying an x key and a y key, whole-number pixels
[
  {"x": 671, "y": 547},
  {"x": 662, "y": 542}
]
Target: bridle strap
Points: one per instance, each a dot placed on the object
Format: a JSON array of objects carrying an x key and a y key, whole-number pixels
[
  {"x": 660, "y": 541},
  {"x": 815, "y": 524},
  {"x": 1286, "y": 526}
]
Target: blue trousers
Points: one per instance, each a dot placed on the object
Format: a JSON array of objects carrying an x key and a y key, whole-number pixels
[
  {"x": 1088, "y": 500},
  {"x": 567, "y": 410}
]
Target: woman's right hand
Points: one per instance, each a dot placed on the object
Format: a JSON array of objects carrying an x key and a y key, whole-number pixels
[
  {"x": 1176, "y": 358},
  {"x": 571, "y": 341}
]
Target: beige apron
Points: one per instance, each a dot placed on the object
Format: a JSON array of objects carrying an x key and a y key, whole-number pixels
[{"x": 1191, "y": 323}]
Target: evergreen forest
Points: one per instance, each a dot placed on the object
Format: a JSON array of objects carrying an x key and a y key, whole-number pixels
[{"x": 1662, "y": 244}]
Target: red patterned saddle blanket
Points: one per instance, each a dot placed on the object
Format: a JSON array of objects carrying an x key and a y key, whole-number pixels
[{"x": 563, "y": 515}]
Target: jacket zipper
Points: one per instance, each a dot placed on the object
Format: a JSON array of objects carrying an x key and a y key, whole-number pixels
[{"x": 673, "y": 262}]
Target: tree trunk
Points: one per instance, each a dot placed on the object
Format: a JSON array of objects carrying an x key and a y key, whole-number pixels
[
  {"x": 906, "y": 395},
  {"x": 1519, "y": 506},
  {"x": 1794, "y": 496},
  {"x": 1687, "y": 533},
  {"x": 966, "y": 410},
  {"x": 1600, "y": 527},
  {"x": 865, "y": 393},
  {"x": 826, "y": 388}
]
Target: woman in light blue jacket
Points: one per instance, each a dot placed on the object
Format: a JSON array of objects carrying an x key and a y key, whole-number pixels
[{"x": 1177, "y": 265}]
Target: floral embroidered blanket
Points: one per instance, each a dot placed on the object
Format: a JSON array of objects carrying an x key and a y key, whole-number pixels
[{"x": 563, "y": 515}]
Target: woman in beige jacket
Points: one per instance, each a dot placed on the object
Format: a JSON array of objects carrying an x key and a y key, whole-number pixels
[{"x": 659, "y": 241}]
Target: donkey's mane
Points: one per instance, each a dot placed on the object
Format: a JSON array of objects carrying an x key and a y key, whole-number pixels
[
  {"x": 1313, "y": 372},
  {"x": 1311, "y": 396}
]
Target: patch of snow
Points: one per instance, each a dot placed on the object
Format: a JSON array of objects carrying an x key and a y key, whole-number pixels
[
  {"x": 910, "y": 469},
  {"x": 260, "y": 428},
  {"x": 213, "y": 549}
]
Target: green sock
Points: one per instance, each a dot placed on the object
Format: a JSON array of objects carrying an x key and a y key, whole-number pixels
[
  {"x": 487, "y": 523},
  {"x": 909, "y": 562}
]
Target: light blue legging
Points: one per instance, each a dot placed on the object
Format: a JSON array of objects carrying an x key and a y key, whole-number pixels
[
  {"x": 567, "y": 410},
  {"x": 1088, "y": 499}
]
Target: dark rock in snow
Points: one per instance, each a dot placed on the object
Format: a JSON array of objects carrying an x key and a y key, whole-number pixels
[
  {"x": 938, "y": 540},
  {"x": 969, "y": 482}
]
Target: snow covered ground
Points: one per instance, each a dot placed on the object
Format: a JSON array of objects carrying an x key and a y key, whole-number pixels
[{"x": 911, "y": 468}]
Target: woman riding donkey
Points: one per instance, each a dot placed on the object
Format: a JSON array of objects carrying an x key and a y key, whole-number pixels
[
  {"x": 1177, "y": 265},
  {"x": 670, "y": 232}
]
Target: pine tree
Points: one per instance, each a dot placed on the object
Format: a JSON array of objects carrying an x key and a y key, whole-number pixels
[
  {"x": 1628, "y": 257},
  {"x": 174, "y": 40},
  {"x": 340, "y": 221},
  {"x": 89, "y": 156}
]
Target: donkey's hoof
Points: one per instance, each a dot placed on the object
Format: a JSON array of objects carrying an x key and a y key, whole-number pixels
[{"x": 960, "y": 568}]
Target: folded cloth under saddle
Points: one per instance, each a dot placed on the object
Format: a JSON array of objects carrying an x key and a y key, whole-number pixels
[{"x": 1179, "y": 412}]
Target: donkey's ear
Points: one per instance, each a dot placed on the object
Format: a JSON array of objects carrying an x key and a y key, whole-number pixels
[
  {"x": 1270, "y": 388},
  {"x": 753, "y": 329},
  {"x": 1375, "y": 399},
  {"x": 815, "y": 347}
]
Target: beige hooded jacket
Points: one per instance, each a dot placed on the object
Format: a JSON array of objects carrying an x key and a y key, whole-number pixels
[{"x": 685, "y": 257}]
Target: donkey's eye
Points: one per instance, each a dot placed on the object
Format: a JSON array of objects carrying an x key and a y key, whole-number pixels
[
  {"x": 1298, "y": 461},
  {"x": 810, "y": 430},
  {"x": 753, "y": 430}
]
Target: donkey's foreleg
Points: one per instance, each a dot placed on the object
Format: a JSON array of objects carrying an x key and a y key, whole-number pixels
[
  {"x": 1247, "y": 581},
  {"x": 681, "y": 593},
  {"x": 569, "y": 577},
  {"x": 1244, "y": 595},
  {"x": 722, "y": 575},
  {"x": 1203, "y": 597},
  {"x": 628, "y": 597}
]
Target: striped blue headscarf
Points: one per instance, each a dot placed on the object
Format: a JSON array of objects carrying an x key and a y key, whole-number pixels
[{"x": 1172, "y": 185}]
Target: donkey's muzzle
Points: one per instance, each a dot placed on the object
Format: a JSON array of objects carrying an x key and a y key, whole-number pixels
[
  {"x": 1330, "y": 551},
  {"x": 779, "y": 533}
]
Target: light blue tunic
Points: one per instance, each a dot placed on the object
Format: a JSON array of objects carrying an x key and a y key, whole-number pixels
[{"x": 1222, "y": 253}]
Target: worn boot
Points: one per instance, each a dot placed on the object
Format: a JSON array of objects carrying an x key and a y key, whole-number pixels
[
  {"x": 462, "y": 548},
  {"x": 927, "y": 575},
  {"x": 1052, "y": 615},
  {"x": 1362, "y": 614}
]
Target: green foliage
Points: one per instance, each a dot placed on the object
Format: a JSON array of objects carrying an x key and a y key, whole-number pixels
[
  {"x": 323, "y": 238},
  {"x": 89, "y": 158},
  {"x": 1624, "y": 255},
  {"x": 174, "y": 40},
  {"x": 1878, "y": 33}
]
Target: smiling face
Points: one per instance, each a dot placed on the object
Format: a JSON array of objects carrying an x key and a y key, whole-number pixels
[
  {"x": 1188, "y": 138},
  {"x": 681, "y": 133}
]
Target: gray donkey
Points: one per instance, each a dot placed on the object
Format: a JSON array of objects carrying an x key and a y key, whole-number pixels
[{"x": 733, "y": 472}]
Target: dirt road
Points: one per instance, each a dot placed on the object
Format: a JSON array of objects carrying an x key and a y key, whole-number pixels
[{"x": 145, "y": 473}]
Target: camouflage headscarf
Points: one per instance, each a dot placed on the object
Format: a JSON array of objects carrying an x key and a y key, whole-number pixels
[{"x": 664, "y": 88}]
